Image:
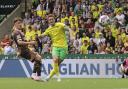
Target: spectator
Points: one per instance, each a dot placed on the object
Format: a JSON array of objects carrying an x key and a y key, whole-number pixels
[
  {"x": 40, "y": 9},
  {"x": 6, "y": 41},
  {"x": 108, "y": 7},
  {"x": 35, "y": 3},
  {"x": 97, "y": 32},
  {"x": 96, "y": 13},
  {"x": 73, "y": 32},
  {"x": 73, "y": 19},
  {"x": 108, "y": 49},
  {"x": 71, "y": 48},
  {"x": 1, "y": 50},
  {"x": 82, "y": 30},
  {"x": 78, "y": 10},
  {"x": 73, "y": 23},
  {"x": 100, "y": 49},
  {"x": 27, "y": 19},
  {"x": 103, "y": 24},
  {"x": 121, "y": 17},
  {"x": 110, "y": 39},
  {"x": 84, "y": 47},
  {"x": 36, "y": 25},
  {"x": 89, "y": 25},
  {"x": 104, "y": 19},
  {"x": 123, "y": 35},
  {"x": 85, "y": 37},
  {"x": 99, "y": 40},
  {"x": 92, "y": 47},
  {"x": 8, "y": 50},
  {"x": 77, "y": 46},
  {"x": 77, "y": 40},
  {"x": 115, "y": 28},
  {"x": 119, "y": 46},
  {"x": 126, "y": 18}
]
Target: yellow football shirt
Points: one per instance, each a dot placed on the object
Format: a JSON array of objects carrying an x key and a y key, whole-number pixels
[
  {"x": 57, "y": 35},
  {"x": 114, "y": 32},
  {"x": 84, "y": 49},
  {"x": 28, "y": 35},
  {"x": 123, "y": 36},
  {"x": 62, "y": 20},
  {"x": 1, "y": 50},
  {"x": 41, "y": 13},
  {"x": 33, "y": 34},
  {"x": 100, "y": 6},
  {"x": 93, "y": 7},
  {"x": 97, "y": 34},
  {"x": 85, "y": 38},
  {"x": 96, "y": 14},
  {"x": 71, "y": 17}
]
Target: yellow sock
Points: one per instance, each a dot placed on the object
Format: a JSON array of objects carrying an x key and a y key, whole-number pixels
[
  {"x": 54, "y": 71},
  {"x": 56, "y": 67},
  {"x": 57, "y": 70}
]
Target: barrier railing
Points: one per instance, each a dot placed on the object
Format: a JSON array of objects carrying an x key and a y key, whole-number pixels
[{"x": 77, "y": 56}]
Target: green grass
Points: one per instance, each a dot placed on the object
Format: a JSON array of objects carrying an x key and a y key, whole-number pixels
[{"x": 24, "y": 83}]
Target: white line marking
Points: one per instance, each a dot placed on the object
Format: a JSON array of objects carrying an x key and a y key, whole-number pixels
[
  {"x": 24, "y": 68},
  {"x": 2, "y": 63}
]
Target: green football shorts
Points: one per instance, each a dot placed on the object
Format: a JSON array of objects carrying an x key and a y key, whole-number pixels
[{"x": 59, "y": 52}]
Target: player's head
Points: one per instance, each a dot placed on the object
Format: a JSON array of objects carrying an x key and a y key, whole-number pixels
[
  {"x": 51, "y": 19},
  {"x": 18, "y": 23}
]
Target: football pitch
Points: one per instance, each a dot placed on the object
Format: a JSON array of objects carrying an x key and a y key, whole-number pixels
[{"x": 86, "y": 83}]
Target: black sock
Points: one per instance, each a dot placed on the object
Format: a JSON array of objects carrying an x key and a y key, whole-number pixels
[
  {"x": 39, "y": 72},
  {"x": 34, "y": 68},
  {"x": 38, "y": 68}
]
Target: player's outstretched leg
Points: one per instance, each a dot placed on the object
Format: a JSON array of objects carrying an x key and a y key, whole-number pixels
[
  {"x": 36, "y": 75},
  {"x": 54, "y": 71}
]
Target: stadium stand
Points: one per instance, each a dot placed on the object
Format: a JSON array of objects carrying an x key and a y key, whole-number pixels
[
  {"x": 1, "y": 18},
  {"x": 6, "y": 7}
]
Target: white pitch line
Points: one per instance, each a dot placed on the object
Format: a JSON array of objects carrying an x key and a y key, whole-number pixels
[
  {"x": 24, "y": 68},
  {"x": 1, "y": 63}
]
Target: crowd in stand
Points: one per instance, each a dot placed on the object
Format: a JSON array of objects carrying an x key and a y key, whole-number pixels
[{"x": 97, "y": 26}]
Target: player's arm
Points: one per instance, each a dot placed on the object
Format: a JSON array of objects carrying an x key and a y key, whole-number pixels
[
  {"x": 3, "y": 44},
  {"x": 43, "y": 35},
  {"x": 20, "y": 42},
  {"x": 46, "y": 33},
  {"x": 26, "y": 43}
]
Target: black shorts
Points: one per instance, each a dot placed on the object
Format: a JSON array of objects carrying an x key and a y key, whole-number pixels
[
  {"x": 25, "y": 54},
  {"x": 28, "y": 54}
]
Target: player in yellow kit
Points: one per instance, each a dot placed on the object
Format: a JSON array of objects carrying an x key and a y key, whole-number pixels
[{"x": 56, "y": 32}]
